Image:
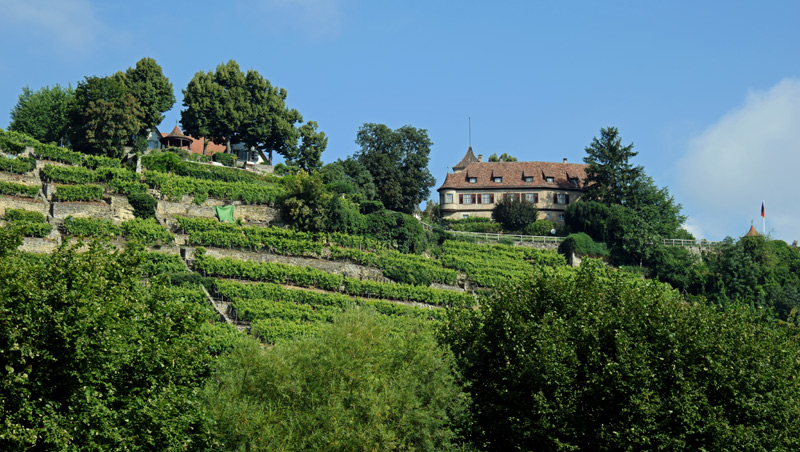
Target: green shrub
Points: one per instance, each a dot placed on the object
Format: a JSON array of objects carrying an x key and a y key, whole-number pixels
[
  {"x": 582, "y": 245},
  {"x": 18, "y": 165},
  {"x": 475, "y": 224},
  {"x": 57, "y": 154},
  {"x": 540, "y": 227},
  {"x": 14, "y": 189},
  {"x": 29, "y": 223},
  {"x": 78, "y": 193},
  {"x": 144, "y": 205},
  {"x": 66, "y": 193},
  {"x": 68, "y": 174},
  {"x": 514, "y": 214},
  {"x": 99, "y": 161},
  {"x": 146, "y": 231},
  {"x": 24, "y": 216},
  {"x": 224, "y": 158},
  {"x": 90, "y": 227}
]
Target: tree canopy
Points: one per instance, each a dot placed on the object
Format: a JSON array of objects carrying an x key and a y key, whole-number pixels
[
  {"x": 43, "y": 114},
  {"x": 503, "y": 158},
  {"x": 148, "y": 85},
  {"x": 398, "y": 163},
  {"x": 105, "y": 116},
  {"x": 514, "y": 214},
  {"x": 575, "y": 360},
  {"x": 93, "y": 359},
  {"x": 363, "y": 383},
  {"x": 610, "y": 176},
  {"x": 230, "y": 106}
]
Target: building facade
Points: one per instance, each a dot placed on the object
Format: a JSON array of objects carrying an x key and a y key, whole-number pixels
[{"x": 475, "y": 186}]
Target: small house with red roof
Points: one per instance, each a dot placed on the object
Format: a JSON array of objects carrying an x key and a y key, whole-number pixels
[
  {"x": 475, "y": 186},
  {"x": 176, "y": 139}
]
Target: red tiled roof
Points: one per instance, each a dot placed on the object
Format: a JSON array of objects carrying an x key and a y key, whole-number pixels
[
  {"x": 513, "y": 173},
  {"x": 752, "y": 232},
  {"x": 196, "y": 146},
  {"x": 469, "y": 157}
]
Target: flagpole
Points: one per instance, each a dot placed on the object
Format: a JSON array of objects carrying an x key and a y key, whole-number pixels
[{"x": 763, "y": 220}]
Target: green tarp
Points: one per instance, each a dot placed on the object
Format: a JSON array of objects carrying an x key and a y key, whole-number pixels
[{"x": 225, "y": 214}]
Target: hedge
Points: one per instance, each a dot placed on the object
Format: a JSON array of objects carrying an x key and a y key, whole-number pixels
[{"x": 78, "y": 193}]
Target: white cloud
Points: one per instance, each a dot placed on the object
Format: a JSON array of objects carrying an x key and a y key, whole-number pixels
[
  {"x": 751, "y": 154},
  {"x": 70, "y": 25},
  {"x": 315, "y": 19}
]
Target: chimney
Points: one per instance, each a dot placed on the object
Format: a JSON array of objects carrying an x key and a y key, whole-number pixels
[
  {"x": 565, "y": 160},
  {"x": 480, "y": 157}
]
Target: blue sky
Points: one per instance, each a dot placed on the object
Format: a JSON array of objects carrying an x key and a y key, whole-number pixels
[{"x": 708, "y": 92}]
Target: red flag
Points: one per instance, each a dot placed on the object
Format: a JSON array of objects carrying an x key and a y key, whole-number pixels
[{"x": 762, "y": 209}]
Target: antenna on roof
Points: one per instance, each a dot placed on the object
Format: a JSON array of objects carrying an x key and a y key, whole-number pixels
[{"x": 470, "y": 131}]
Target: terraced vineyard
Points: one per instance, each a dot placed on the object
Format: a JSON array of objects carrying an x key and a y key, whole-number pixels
[{"x": 273, "y": 300}]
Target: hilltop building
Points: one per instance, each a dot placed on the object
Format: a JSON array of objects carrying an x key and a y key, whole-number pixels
[
  {"x": 474, "y": 186},
  {"x": 176, "y": 138}
]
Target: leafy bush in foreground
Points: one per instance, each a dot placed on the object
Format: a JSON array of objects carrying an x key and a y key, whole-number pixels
[{"x": 573, "y": 360}]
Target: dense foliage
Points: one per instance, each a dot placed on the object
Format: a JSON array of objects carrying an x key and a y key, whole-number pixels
[
  {"x": 83, "y": 343},
  {"x": 43, "y": 114},
  {"x": 398, "y": 163},
  {"x": 362, "y": 383},
  {"x": 580, "y": 360},
  {"x": 514, "y": 214},
  {"x": 15, "y": 189}
]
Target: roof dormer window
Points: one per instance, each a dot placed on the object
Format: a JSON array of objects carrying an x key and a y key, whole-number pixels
[
  {"x": 497, "y": 179},
  {"x": 528, "y": 179},
  {"x": 472, "y": 180},
  {"x": 573, "y": 181},
  {"x": 549, "y": 179}
]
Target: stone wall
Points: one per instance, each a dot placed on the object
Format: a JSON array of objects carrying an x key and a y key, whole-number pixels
[
  {"x": 12, "y": 202},
  {"x": 259, "y": 214},
  {"x": 100, "y": 209}
]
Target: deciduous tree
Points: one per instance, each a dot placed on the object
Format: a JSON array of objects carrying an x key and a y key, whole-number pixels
[
  {"x": 503, "y": 158},
  {"x": 43, "y": 114},
  {"x": 595, "y": 359},
  {"x": 147, "y": 83},
  {"x": 398, "y": 163},
  {"x": 104, "y": 116},
  {"x": 514, "y": 214}
]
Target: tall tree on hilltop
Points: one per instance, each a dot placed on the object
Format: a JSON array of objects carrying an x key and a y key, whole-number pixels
[
  {"x": 104, "y": 116},
  {"x": 147, "y": 83},
  {"x": 229, "y": 106},
  {"x": 398, "y": 162},
  {"x": 216, "y": 105},
  {"x": 43, "y": 114},
  {"x": 610, "y": 177},
  {"x": 312, "y": 144},
  {"x": 270, "y": 125}
]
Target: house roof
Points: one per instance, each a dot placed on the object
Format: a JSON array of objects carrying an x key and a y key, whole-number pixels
[
  {"x": 469, "y": 157},
  {"x": 566, "y": 176},
  {"x": 176, "y": 133},
  {"x": 195, "y": 144},
  {"x": 752, "y": 232}
]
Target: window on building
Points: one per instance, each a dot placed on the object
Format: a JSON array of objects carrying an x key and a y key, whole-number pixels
[
  {"x": 466, "y": 215},
  {"x": 497, "y": 179},
  {"x": 531, "y": 197},
  {"x": 449, "y": 198},
  {"x": 528, "y": 178},
  {"x": 486, "y": 198},
  {"x": 561, "y": 198},
  {"x": 574, "y": 181},
  {"x": 561, "y": 218},
  {"x": 472, "y": 180},
  {"x": 468, "y": 199},
  {"x": 549, "y": 179}
]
